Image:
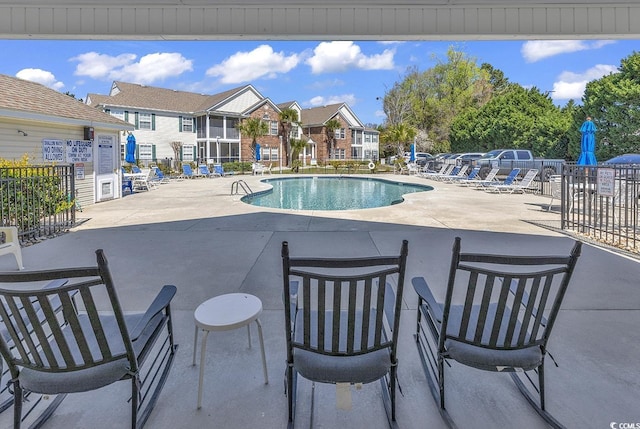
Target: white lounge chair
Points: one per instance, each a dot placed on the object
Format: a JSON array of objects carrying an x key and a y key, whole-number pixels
[
  {"x": 446, "y": 169},
  {"x": 526, "y": 184},
  {"x": 489, "y": 179},
  {"x": 9, "y": 243},
  {"x": 462, "y": 173}
]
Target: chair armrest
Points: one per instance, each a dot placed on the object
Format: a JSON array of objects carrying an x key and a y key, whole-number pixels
[
  {"x": 423, "y": 291},
  {"x": 161, "y": 302}
]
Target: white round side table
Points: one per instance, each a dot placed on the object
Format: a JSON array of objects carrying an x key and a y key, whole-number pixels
[{"x": 223, "y": 313}]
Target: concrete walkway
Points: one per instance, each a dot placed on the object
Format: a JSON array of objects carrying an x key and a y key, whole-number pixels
[{"x": 195, "y": 235}]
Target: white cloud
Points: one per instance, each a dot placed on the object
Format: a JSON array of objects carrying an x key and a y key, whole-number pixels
[
  {"x": 248, "y": 66},
  {"x": 537, "y": 50},
  {"x": 571, "y": 85},
  {"x": 150, "y": 68},
  {"x": 350, "y": 99},
  {"x": 342, "y": 55},
  {"x": 43, "y": 77}
]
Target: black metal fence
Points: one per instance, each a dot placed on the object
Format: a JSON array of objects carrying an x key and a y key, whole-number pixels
[
  {"x": 39, "y": 200},
  {"x": 601, "y": 202}
]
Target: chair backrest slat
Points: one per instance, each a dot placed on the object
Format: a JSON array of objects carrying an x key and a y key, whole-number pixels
[
  {"x": 504, "y": 302},
  {"x": 342, "y": 302},
  {"x": 60, "y": 328}
]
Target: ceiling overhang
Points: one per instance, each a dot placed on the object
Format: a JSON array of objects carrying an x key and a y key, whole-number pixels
[{"x": 318, "y": 20}]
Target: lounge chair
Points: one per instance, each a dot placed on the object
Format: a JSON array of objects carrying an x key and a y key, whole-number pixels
[
  {"x": 341, "y": 320},
  {"x": 489, "y": 178},
  {"x": 218, "y": 170},
  {"x": 462, "y": 173},
  {"x": 445, "y": 169},
  {"x": 511, "y": 178},
  {"x": 453, "y": 172},
  {"x": 10, "y": 244},
  {"x": 187, "y": 172},
  {"x": 497, "y": 315},
  {"x": 413, "y": 168},
  {"x": 526, "y": 184},
  {"x": 159, "y": 176},
  {"x": 473, "y": 174},
  {"x": 98, "y": 345},
  {"x": 203, "y": 171},
  {"x": 144, "y": 180}
]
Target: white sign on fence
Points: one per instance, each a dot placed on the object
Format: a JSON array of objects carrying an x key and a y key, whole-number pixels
[
  {"x": 79, "y": 151},
  {"x": 53, "y": 150},
  {"x": 605, "y": 183}
]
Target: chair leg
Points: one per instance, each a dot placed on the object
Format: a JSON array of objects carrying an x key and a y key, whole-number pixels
[
  {"x": 135, "y": 383},
  {"x": 17, "y": 404},
  {"x": 291, "y": 385}
]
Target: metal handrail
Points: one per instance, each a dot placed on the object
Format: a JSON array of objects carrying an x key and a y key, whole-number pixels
[{"x": 240, "y": 184}]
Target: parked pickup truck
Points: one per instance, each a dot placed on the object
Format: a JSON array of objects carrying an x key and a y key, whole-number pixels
[{"x": 507, "y": 159}]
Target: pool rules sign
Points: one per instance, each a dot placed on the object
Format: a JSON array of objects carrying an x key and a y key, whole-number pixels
[{"x": 71, "y": 151}]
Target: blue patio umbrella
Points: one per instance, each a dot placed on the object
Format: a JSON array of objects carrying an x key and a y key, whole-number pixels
[
  {"x": 412, "y": 154},
  {"x": 588, "y": 143},
  {"x": 130, "y": 156},
  {"x": 257, "y": 151}
]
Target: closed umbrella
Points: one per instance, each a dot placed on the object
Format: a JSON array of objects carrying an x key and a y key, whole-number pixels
[
  {"x": 587, "y": 143},
  {"x": 257, "y": 151},
  {"x": 130, "y": 156},
  {"x": 412, "y": 154}
]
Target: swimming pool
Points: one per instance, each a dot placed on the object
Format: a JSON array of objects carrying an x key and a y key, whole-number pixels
[{"x": 332, "y": 193}]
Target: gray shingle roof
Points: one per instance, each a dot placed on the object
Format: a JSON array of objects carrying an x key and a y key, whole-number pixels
[
  {"x": 133, "y": 95},
  {"x": 320, "y": 115},
  {"x": 25, "y": 96}
]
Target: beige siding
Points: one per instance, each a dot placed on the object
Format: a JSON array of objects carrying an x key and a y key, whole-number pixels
[
  {"x": 167, "y": 130},
  {"x": 13, "y": 145},
  {"x": 240, "y": 103}
]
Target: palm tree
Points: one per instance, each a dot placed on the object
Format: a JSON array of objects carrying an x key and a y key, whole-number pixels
[
  {"x": 399, "y": 134},
  {"x": 288, "y": 119},
  {"x": 330, "y": 128},
  {"x": 254, "y": 128},
  {"x": 297, "y": 146}
]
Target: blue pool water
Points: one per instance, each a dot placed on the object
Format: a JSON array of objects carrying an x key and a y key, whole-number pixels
[{"x": 332, "y": 193}]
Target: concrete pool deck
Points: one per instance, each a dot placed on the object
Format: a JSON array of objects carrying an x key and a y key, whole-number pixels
[{"x": 194, "y": 234}]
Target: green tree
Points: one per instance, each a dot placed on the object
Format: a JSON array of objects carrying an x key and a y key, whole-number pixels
[
  {"x": 254, "y": 128},
  {"x": 330, "y": 128},
  {"x": 517, "y": 118},
  {"x": 288, "y": 119},
  {"x": 437, "y": 95},
  {"x": 613, "y": 102}
]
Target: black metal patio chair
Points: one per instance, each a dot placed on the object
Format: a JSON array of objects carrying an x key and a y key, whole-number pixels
[
  {"x": 342, "y": 318},
  {"x": 76, "y": 338},
  {"x": 497, "y": 315}
]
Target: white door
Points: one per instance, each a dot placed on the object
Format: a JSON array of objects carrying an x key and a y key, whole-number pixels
[{"x": 105, "y": 166}]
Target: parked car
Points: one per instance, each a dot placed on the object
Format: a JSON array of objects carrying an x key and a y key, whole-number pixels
[
  {"x": 468, "y": 158},
  {"x": 507, "y": 159},
  {"x": 422, "y": 158},
  {"x": 626, "y": 159}
]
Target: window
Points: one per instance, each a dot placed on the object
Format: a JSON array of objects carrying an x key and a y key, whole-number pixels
[
  {"x": 269, "y": 153},
  {"x": 187, "y": 153},
  {"x": 187, "y": 125},
  {"x": 117, "y": 114},
  {"x": 339, "y": 154},
  {"x": 145, "y": 151},
  {"x": 356, "y": 153},
  {"x": 367, "y": 138},
  {"x": 339, "y": 134},
  {"x": 274, "y": 128},
  {"x": 144, "y": 121}
]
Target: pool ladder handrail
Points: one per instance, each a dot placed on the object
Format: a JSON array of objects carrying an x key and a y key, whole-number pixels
[{"x": 235, "y": 187}]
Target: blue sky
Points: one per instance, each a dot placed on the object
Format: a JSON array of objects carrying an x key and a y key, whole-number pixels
[{"x": 312, "y": 73}]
